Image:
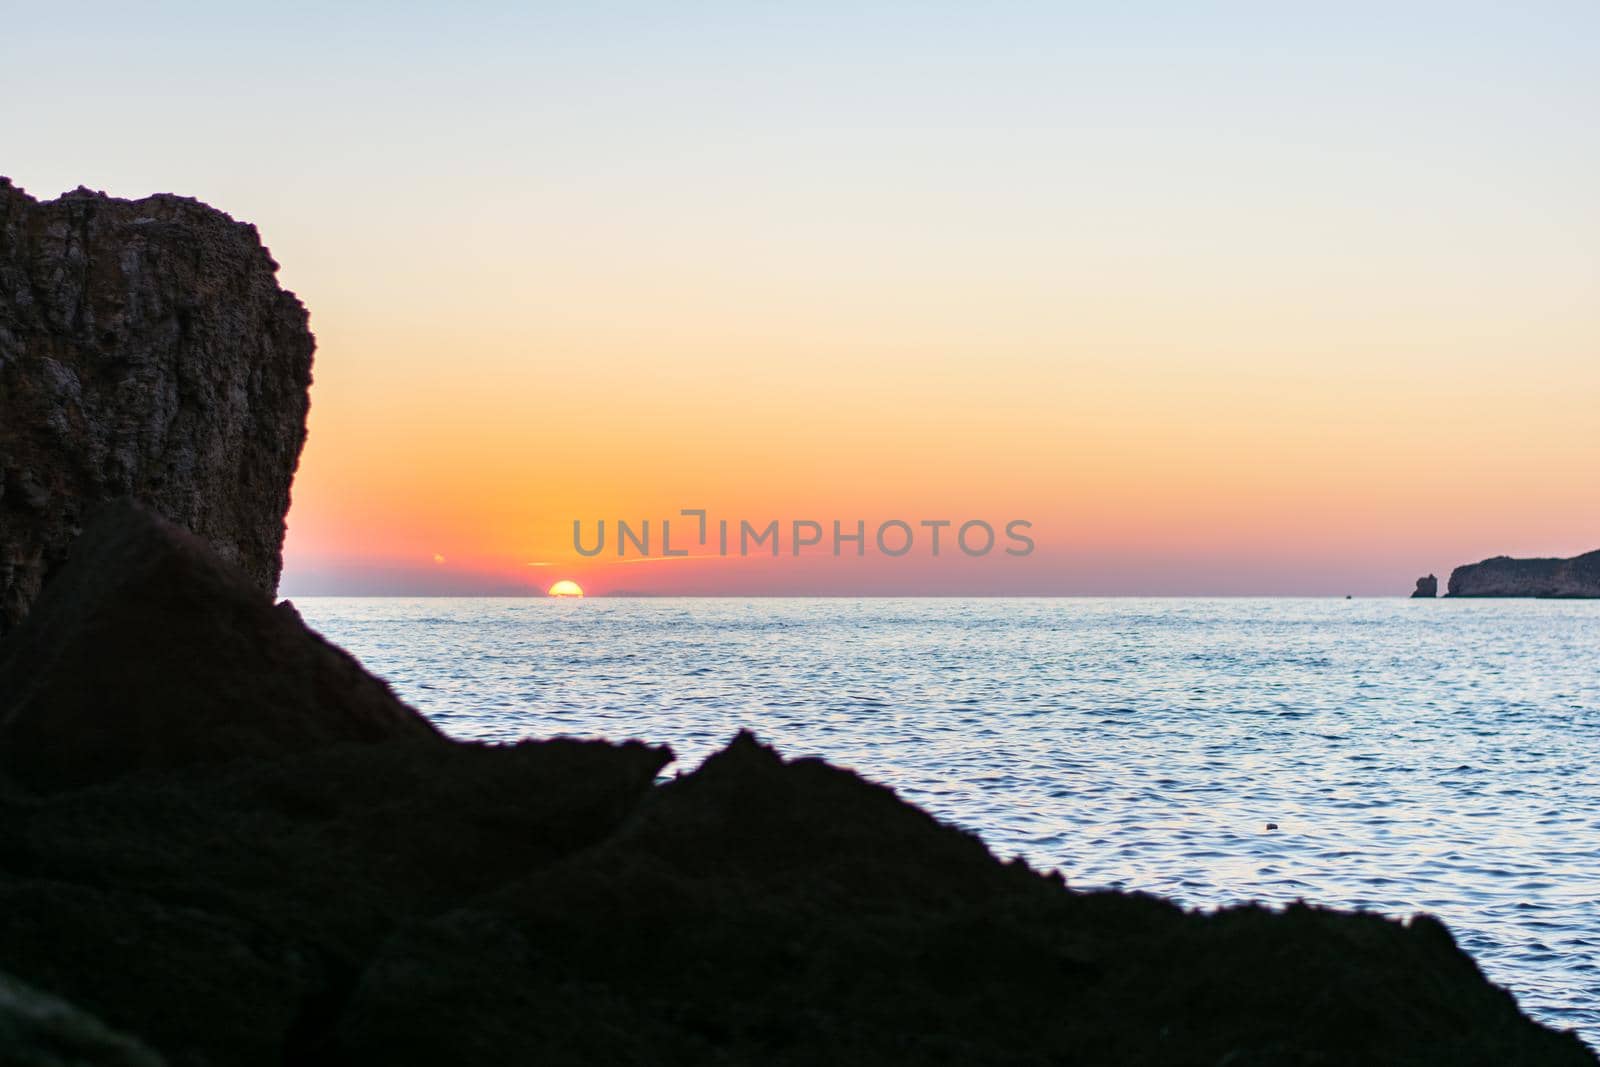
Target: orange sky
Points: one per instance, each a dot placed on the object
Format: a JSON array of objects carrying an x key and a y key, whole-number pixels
[
  {"x": 1222, "y": 298},
  {"x": 1200, "y": 465}
]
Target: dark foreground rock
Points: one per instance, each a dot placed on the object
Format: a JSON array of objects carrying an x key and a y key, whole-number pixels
[
  {"x": 1426, "y": 587},
  {"x": 224, "y": 917},
  {"x": 147, "y": 652},
  {"x": 311, "y": 898},
  {"x": 545, "y": 903},
  {"x": 1502, "y": 576},
  {"x": 146, "y": 350}
]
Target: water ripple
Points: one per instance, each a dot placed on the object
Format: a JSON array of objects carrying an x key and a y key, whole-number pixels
[{"x": 1413, "y": 755}]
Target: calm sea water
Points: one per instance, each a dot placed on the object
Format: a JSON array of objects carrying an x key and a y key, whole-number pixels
[{"x": 1416, "y": 756}]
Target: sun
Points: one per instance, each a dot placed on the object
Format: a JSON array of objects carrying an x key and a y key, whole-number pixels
[{"x": 566, "y": 587}]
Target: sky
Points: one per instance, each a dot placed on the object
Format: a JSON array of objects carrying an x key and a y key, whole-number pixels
[{"x": 1221, "y": 298}]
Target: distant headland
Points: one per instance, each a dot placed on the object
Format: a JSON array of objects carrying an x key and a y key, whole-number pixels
[{"x": 1577, "y": 578}]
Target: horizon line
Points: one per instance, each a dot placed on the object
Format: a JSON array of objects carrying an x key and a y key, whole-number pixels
[{"x": 889, "y": 596}]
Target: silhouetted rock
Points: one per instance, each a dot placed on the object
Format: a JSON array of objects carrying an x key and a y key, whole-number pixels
[
  {"x": 225, "y": 914},
  {"x": 146, "y": 350},
  {"x": 1502, "y": 576},
  {"x": 306, "y": 873},
  {"x": 1426, "y": 587},
  {"x": 764, "y": 911},
  {"x": 413, "y": 903},
  {"x": 148, "y": 652}
]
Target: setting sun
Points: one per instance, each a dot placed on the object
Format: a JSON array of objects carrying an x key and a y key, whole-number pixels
[{"x": 566, "y": 587}]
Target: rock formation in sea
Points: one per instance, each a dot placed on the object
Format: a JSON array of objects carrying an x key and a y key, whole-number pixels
[
  {"x": 146, "y": 350},
  {"x": 1503, "y": 576},
  {"x": 293, "y": 871},
  {"x": 1426, "y": 587}
]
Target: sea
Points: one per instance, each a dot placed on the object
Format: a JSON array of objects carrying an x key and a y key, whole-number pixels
[{"x": 1392, "y": 755}]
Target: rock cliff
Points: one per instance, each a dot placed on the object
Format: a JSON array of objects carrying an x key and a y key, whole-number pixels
[
  {"x": 146, "y": 350},
  {"x": 1426, "y": 587},
  {"x": 1503, "y": 576}
]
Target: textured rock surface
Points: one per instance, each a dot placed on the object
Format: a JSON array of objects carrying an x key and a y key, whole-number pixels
[
  {"x": 1426, "y": 587},
  {"x": 1578, "y": 577},
  {"x": 146, "y": 652},
  {"x": 145, "y": 350}
]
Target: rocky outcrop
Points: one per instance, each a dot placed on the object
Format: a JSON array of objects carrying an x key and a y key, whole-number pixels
[
  {"x": 1426, "y": 587},
  {"x": 146, "y": 350},
  {"x": 1503, "y": 576},
  {"x": 225, "y": 916},
  {"x": 544, "y": 903},
  {"x": 416, "y": 901},
  {"x": 147, "y": 652},
  {"x": 761, "y": 910}
]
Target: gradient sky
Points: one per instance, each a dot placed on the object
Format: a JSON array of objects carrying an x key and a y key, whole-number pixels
[{"x": 1223, "y": 297}]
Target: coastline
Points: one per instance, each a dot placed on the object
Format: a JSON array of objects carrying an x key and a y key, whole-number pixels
[
  {"x": 224, "y": 842},
  {"x": 420, "y": 900}
]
